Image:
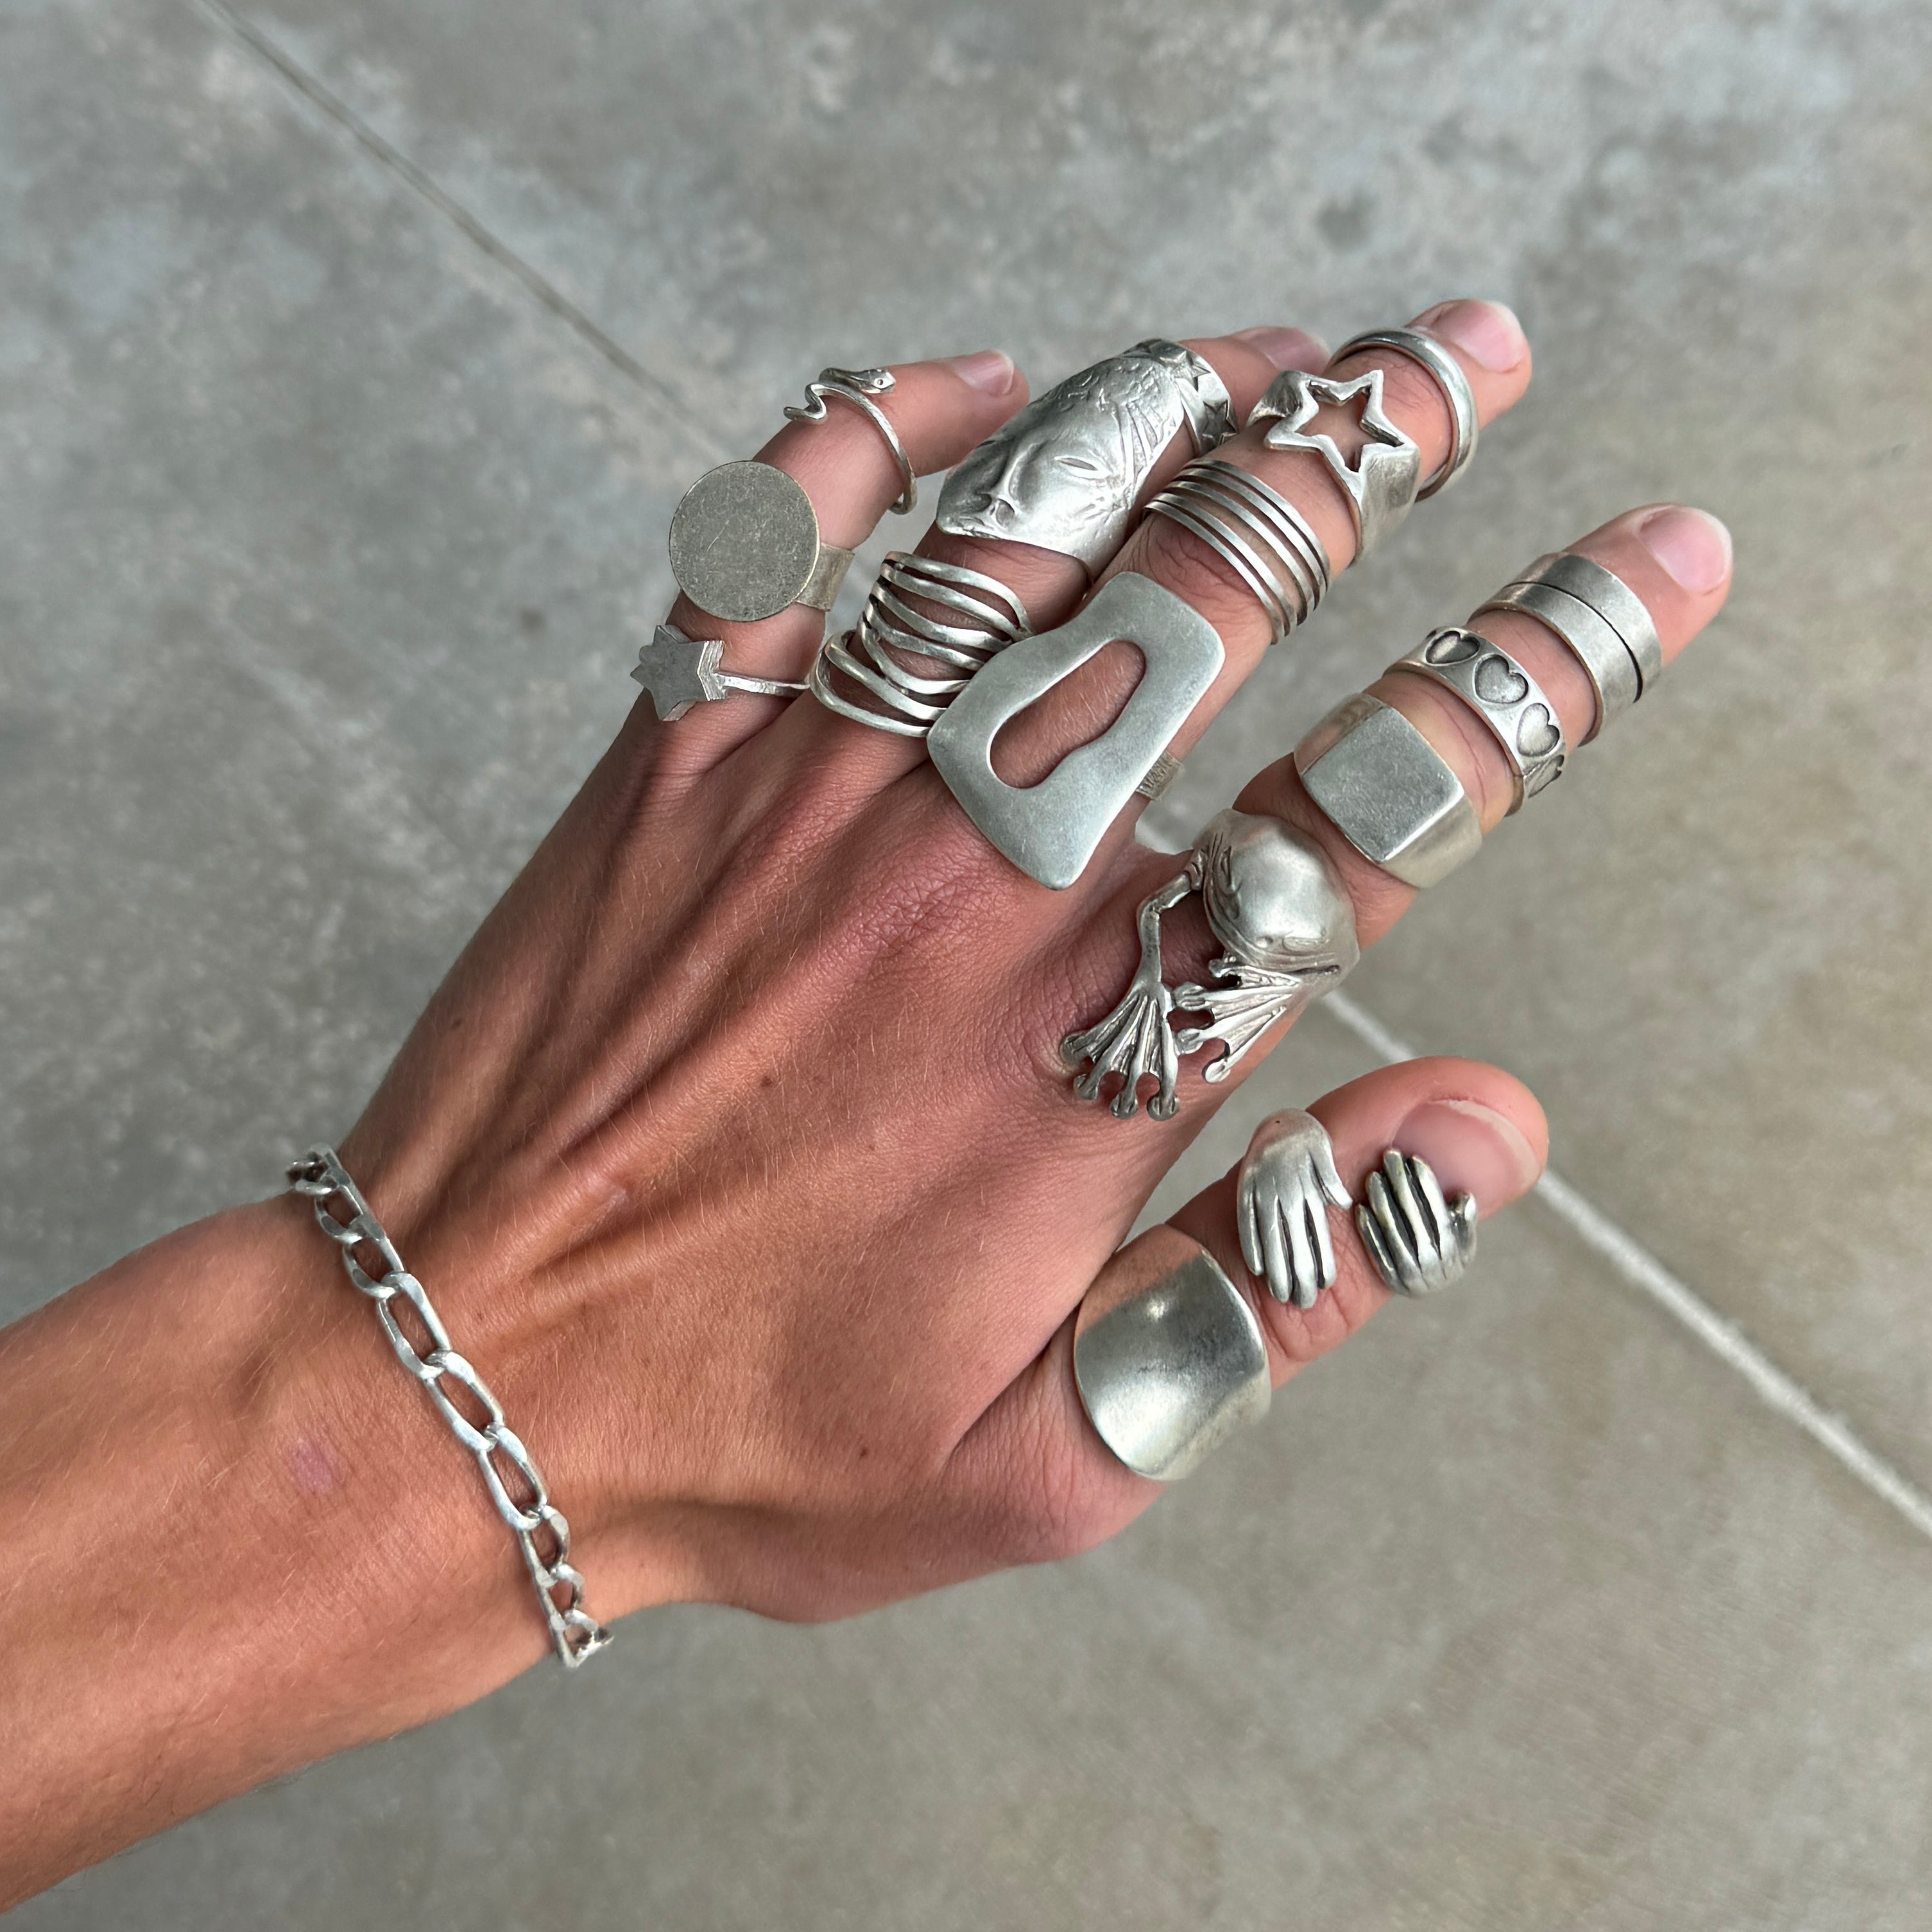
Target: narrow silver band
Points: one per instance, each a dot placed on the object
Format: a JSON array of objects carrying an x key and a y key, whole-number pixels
[
  {"x": 1515, "y": 708},
  {"x": 1256, "y": 531},
  {"x": 1612, "y": 600},
  {"x": 1422, "y": 348},
  {"x": 1161, "y": 777},
  {"x": 1388, "y": 791},
  {"x": 858, "y": 387},
  {"x": 1167, "y": 1355}
]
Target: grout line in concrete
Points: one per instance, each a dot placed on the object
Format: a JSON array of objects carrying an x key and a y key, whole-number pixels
[
  {"x": 1643, "y": 1271},
  {"x": 387, "y": 155}
]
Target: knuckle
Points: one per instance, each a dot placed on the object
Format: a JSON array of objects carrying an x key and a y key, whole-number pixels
[{"x": 1180, "y": 562}]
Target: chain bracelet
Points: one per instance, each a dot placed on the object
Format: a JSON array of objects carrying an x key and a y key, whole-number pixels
[{"x": 322, "y": 1178}]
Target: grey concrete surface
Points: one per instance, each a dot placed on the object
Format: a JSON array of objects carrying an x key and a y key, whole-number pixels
[{"x": 324, "y": 547}]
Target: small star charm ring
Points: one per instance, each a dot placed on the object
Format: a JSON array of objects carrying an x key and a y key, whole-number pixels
[{"x": 680, "y": 671}]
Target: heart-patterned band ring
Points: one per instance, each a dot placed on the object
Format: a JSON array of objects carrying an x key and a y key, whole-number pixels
[{"x": 1510, "y": 702}]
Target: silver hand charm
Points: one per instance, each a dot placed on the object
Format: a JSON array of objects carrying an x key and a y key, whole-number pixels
[
  {"x": 1418, "y": 1241},
  {"x": 1288, "y": 1183}
]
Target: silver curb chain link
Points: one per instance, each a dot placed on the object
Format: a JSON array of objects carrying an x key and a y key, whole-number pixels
[{"x": 321, "y": 1177}]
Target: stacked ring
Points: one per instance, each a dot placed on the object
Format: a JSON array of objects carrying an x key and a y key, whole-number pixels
[
  {"x": 1380, "y": 484},
  {"x": 1267, "y": 543},
  {"x": 889, "y": 628}
]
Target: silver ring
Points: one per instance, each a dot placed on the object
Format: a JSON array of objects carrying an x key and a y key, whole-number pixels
[
  {"x": 1598, "y": 649},
  {"x": 1168, "y": 1356},
  {"x": 680, "y": 671},
  {"x": 1388, "y": 791},
  {"x": 1380, "y": 484},
  {"x": 1066, "y": 472},
  {"x": 1287, "y": 1184},
  {"x": 858, "y": 387},
  {"x": 871, "y": 655},
  {"x": 1516, "y": 709},
  {"x": 1419, "y": 1242},
  {"x": 1423, "y": 348},
  {"x": 1261, "y": 536},
  {"x": 1608, "y": 598},
  {"x": 745, "y": 545}
]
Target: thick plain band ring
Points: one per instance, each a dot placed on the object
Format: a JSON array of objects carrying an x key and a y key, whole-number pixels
[
  {"x": 1389, "y": 792},
  {"x": 745, "y": 545},
  {"x": 1591, "y": 640},
  {"x": 1167, "y": 1355},
  {"x": 1510, "y": 702},
  {"x": 1422, "y": 348},
  {"x": 858, "y": 387},
  {"x": 1612, "y": 598}
]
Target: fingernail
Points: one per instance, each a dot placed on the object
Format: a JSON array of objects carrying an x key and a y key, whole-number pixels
[
  {"x": 1486, "y": 331},
  {"x": 1287, "y": 348},
  {"x": 986, "y": 369},
  {"x": 1473, "y": 1150},
  {"x": 1691, "y": 544}
]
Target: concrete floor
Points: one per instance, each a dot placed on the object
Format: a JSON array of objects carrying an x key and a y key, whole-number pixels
[{"x": 334, "y": 469}]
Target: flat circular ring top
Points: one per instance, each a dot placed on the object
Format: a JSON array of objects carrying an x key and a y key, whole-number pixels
[
  {"x": 1448, "y": 375},
  {"x": 744, "y": 541}
]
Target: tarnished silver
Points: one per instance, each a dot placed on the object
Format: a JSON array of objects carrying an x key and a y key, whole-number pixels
[
  {"x": 680, "y": 671},
  {"x": 1066, "y": 473},
  {"x": 1380, "y": 484},
  {"x": 1050, "y": 829},
  {"x": 859, "y": 387},
  {"x": 454, "y": 1386},
  {"x": 1419, "y": 1242},
  {"x": 1272, "y": 899},
  {"x": 982, "y": 617},
  {"x": 1163, "y": 776},
  {"x": 1606, "y": 625},
  {"x": 1169, "y": 1357},
  {"x": 1267, "y": 543},
  {"x": 1515, "y": 708},
  {"x": 1388, "y": 791},
  {"x": 1287, "y": 1184},
  {"x": 745, "y": 545},
  {"x": 1420, "y": 347}
]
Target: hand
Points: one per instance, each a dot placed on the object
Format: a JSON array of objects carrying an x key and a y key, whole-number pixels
[
  {"x": 738, "y": 1153},
  {"x": 1286, "y": 1177}
]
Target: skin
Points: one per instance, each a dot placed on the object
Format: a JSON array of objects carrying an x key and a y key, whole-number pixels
[{"x": 737, "y": 1152}]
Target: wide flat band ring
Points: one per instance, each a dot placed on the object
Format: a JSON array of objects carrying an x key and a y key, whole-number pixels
[
  {"x": 1611, "y": 598},
  {"x": 1596, "y": 645},
  {"x": 745, "y": 545},
  {"x": 1422, "y": 348},
  {"x": 1515, "y": 708},
  {"x": 1167, "y": 1355},
  {"x": 1389, "y": 792}
]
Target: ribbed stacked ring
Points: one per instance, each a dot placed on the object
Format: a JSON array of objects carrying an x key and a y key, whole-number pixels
[
  {"x": 1267, "y": 543},
  {"x": 898, "y": 700}
]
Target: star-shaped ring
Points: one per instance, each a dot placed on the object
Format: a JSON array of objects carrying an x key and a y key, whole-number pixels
[
  {"x": 1382, "y": 483},
  {"x": 680, "y": 671}
]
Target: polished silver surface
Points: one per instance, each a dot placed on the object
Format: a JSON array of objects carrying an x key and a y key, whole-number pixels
[
  {"x": 1388, "y": 791},
  {"x": 1272, "y": 899},
  {"x": 1419, "y": 1242},
  {"x": 859, "y": 387},
  {"x": 981, "y": 617},
  {"x": 1515, "y": 708},
  {"x": 1050, "y": 830},
  {"x": 1590, "y": 638},
  {"x": 745, "y": 545},
  {"x": 1066, "y": 473},
  {"x": 1287, "y": 1183},
  {"x": 1466, "y": 426},
  {"x": 680, "y": 671},
  {"x": 1169, "y": 1357},
  {"x": 1380, "y": 484},
  {"x": 1267, "y": 543},
  {"x": 1605, "y": 592},
  {"x": 321, "y": 1179}
]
